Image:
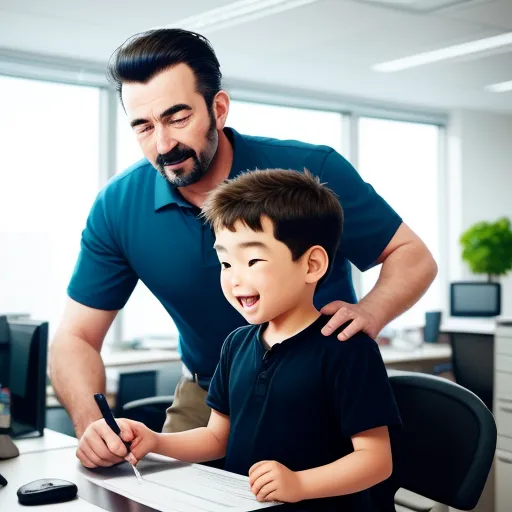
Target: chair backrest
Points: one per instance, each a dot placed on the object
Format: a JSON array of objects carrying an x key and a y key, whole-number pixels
[
  {"x": 445, "y": 449},
  {"x": 473, "y": 363},
  {"x": 134, "y": 386}
]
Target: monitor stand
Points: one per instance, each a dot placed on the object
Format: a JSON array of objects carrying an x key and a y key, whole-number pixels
[
  {"x": 19, "y": 429},
  {"x": 8, "y": 449}
]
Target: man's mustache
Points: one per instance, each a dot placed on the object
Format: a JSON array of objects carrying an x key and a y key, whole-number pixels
[{"x": 177, "y": 154}]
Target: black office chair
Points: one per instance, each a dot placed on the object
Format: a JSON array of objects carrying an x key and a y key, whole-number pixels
[
  {"x": 473, "y": 363},
  {"x": 446, "y": 447},
  {"x": 141, "y": 397}
]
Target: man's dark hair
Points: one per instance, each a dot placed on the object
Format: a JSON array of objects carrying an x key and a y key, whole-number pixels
[
  {"x": 304, "y": 211},
  {"x": 144, "y": 55}
]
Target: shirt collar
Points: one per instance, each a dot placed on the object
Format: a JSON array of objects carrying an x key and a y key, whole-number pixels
[{"x": 166, "y": 194}]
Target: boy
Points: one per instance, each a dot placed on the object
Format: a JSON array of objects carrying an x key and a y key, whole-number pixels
[{"x": 304, "y": 415}]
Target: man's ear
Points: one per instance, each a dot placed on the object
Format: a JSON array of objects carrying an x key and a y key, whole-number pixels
[
  {"x": 221, "y": 109},
  {"x": 317, "y": 263}
]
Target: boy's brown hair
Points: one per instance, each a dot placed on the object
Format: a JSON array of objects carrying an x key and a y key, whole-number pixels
[{"x": 304, "y": 211}]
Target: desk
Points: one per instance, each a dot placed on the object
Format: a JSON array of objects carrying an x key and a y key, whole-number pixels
[
  {"x": 53, "y": 456},
  {"x": 420, "y": 359}
]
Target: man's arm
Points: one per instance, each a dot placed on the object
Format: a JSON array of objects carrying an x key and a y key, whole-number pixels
[
  {"x": 76, "y": 367},
  {"x": 408, "y": 269}
]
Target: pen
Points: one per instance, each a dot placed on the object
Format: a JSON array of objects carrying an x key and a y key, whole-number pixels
[{"x": 111, "y": 422}]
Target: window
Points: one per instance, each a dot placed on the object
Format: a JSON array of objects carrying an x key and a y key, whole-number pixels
[
  {"x": 401, "y": 161},
  {"x": 49, "y": 177},
  {"x": 312, "y": 126}
]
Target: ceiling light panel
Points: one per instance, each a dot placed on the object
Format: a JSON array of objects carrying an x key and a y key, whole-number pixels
[
  {"x": 450, "y": 52},
  {"x": 236, "y": 13}
]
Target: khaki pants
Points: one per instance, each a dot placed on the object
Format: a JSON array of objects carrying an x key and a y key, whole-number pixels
[{"x": 189, "y": 409}]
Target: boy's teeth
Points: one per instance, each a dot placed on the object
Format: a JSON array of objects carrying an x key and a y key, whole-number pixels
[{"x": 249, "y": 301}]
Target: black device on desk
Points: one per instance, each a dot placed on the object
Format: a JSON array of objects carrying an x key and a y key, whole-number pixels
[
  {"x": 23, "y": 358},
  {"x": 475, "y": 299}
]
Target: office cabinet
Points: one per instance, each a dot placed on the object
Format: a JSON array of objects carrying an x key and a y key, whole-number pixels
[{"x": 503, "y": 414}]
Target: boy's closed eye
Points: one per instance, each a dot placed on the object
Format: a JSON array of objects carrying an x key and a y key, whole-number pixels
[{"x": 226, "y": 265}]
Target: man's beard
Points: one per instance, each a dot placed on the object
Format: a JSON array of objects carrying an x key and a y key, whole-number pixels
[{"x": 182, "y": 152}]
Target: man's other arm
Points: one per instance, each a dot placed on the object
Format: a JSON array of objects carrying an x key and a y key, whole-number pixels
[{"x": 76, "y": 368}]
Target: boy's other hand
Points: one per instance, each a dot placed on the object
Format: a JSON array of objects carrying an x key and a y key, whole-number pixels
[
  {"x": 143, "y": 440},
  {"x": 271, "y": 481},
  {"x": 359, "y": 317}
]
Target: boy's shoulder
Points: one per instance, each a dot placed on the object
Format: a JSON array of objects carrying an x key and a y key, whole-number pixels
[
  {"x": 241, "y": 335},
  {"x": 359, "y": 342}
]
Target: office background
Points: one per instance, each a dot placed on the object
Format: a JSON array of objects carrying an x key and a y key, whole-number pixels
[{"x": 431, "y": 139}]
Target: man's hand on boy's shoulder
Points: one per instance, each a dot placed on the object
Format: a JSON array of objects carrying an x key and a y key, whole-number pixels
[
  {"x": 271, "y": 481},
  {"x": 358, "y": 315}
]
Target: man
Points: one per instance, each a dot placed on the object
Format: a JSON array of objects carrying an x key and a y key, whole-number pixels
[{"x": 146, "y": 225}]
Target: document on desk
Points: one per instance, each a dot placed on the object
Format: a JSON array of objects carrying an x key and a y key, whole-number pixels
[{"x": 187, "y": 488}]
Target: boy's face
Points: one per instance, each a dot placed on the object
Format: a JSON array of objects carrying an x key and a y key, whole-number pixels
[{"x": 258, "y": 276}]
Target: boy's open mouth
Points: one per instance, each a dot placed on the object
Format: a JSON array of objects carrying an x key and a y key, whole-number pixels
[{"x": 248, "y": 301}]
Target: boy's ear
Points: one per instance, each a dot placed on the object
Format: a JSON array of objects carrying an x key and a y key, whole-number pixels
[{"x": 317, "y": 263}]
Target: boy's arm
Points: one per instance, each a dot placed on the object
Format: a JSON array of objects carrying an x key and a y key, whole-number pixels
[
  {"x": 369, "y": 464},
  {"x": 199, "y": 444},
  {"x": 196, "y": 445}
]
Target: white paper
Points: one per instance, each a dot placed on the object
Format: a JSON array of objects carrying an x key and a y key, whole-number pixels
[{"x": 186, "y": 488}]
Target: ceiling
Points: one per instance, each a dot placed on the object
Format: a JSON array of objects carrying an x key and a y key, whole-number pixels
[{"x": 328, "y": 46}]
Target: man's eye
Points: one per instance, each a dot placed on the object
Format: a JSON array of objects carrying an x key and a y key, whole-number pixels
[
  {"x": 252, "y": 262},
  {"x": 225, "y": 265},
  {"x": 180, "y": 120}
]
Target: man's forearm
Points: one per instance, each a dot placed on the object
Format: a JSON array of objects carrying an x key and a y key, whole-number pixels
[
  {"x": 355, "y": 472},
  {"x": 77, "y": 373},
  {"x": 196, "y": 445},
  {"x": 405, "y": 276}
]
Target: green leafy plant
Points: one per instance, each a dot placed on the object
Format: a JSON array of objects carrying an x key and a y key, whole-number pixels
[{"x": 487, "y": 247}]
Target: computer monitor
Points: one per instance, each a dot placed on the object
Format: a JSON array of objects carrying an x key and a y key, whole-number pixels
[
  {"x": 23, "y": 362},
  {"x": 475, "y": 299}
]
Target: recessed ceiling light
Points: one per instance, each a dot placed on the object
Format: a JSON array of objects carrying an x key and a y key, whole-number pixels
[
  {"x": 237, "y": 13},
  {"x": 450, "y": 52},
  {"x": 499, "y": 87}
]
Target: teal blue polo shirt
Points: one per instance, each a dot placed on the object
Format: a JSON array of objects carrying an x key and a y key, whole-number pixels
[{"x": 141, "y": 227}]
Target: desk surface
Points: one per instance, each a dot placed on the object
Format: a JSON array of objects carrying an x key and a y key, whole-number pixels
[
  {"x": 426, "y": 352},
  {"x": 53, "y": 456}
]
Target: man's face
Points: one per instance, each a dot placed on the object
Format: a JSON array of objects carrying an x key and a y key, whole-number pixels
[
  {"x": 258, "y": 276},
  {"x": 172, "y": 124}
]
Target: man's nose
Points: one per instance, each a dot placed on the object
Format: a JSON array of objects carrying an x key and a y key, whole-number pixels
[{"x": 165, "y": 142}]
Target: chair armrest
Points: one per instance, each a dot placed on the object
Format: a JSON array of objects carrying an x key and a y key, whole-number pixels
[
  {"x": 414, "y": 502},
  {"x": 164, "y": 400}
]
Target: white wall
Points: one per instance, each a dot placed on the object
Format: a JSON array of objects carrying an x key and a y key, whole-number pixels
[{"x": 479, "y": 181}]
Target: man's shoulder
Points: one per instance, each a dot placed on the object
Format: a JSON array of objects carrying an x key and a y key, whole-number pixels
[
  {"x": 286, "y": 154},
  {"x": 132, "y": 176},
  {"x": 127, "y": 186}
]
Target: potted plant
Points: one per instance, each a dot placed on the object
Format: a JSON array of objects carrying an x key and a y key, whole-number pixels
[{"x": 487, "y": 248}]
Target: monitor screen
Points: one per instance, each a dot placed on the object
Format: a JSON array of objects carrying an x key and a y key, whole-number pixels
[
  {"x": 475, "y": 298},
  {"x": 23, "y": 362}
]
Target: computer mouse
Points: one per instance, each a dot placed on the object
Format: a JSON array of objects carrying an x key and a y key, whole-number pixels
[{"x": 47, "y": 490}]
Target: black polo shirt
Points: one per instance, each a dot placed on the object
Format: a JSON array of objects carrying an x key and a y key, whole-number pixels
[{"x": 300, "y": 402}]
